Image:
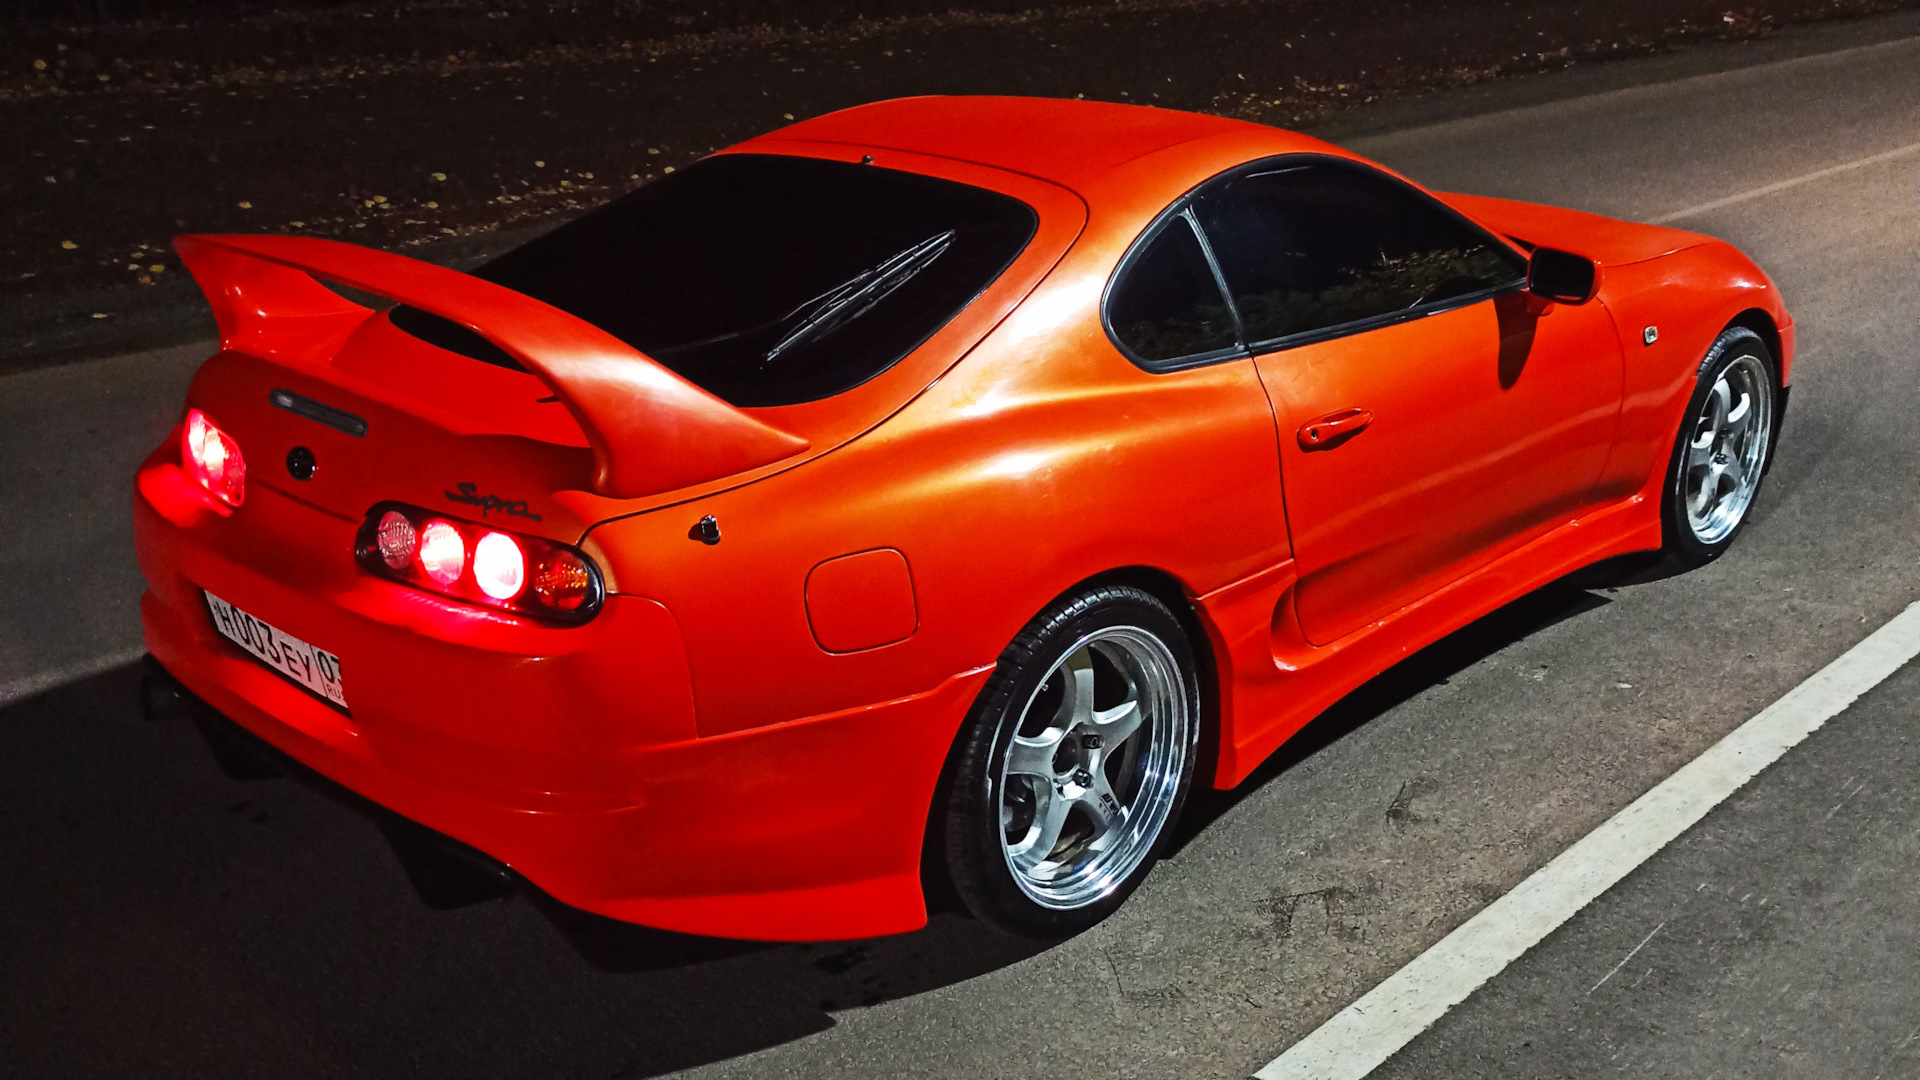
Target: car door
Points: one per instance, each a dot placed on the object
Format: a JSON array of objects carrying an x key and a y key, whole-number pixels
[{"x": 1428, "y": 421}]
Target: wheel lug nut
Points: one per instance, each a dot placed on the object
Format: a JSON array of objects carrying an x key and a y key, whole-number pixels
[
  {"x": 1090, "y": 740},
  {"x": 1083, "y": 778}
]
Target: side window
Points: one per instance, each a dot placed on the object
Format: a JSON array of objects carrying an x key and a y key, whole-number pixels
[
  {"x": 1310, "y": 246},
  {"x": 1167, "y": 305}
]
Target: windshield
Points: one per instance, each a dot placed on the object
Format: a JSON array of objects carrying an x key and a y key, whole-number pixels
[{"x": 765, "y": 280}]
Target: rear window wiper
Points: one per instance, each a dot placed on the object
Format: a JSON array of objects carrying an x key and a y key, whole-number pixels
[{"x": 855, "y": 297}]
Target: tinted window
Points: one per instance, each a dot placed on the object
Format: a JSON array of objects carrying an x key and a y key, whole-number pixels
[
  {"x": 1167, "y": 303},
  {"x": 766, "y": 280},
  {"x": 1308, "y": 246}
]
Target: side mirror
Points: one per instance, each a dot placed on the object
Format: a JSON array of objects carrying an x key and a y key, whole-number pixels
[{"x": 1561, "y": 276}]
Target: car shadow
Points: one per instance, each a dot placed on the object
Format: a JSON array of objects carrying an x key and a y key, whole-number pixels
[
  {"x": 155, "y": 909},
  {"x": 1434, "y": 665}
]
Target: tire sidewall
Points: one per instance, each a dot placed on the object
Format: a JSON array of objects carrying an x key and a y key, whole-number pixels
[
  {"x": 976, "y": 859},
  {"x": 1732, "y": 344}
]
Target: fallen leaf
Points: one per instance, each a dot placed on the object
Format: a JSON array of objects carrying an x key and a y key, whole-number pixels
[
  {"x": 666, "y": 170},
  {"x": 433, "y": 206},
  {"x": 439, "y": 176},
  {"x": 157, "y": 268},
  {"x": 68, "y": 245},
  {"x": 787, "y": 115},
  {"x": 101, "y": 315},
  {"x": 245, "y": 205},
  {"x": 539, "y": 164},
  {"x": 379, "y": 198},
  {"x": 39, "y": 65},
  {"x": 296, "y": 224},
  {"x": 53, "y": 179},
  {"x": 651, "y": 150}
]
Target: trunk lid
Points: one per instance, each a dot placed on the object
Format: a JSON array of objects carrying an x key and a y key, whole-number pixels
[{"x": 389, "y": 417}]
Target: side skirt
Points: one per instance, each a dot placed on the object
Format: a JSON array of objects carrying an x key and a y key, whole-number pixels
[{"x": 1274, "y": 681}]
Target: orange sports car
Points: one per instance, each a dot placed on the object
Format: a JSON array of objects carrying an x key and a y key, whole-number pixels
[{"x": 939, "y": 487}]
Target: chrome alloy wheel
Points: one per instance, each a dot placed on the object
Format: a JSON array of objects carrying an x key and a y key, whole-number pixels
[
  {"x": 1727, "y": 449},
  {"x": 1095, "y": 767}
]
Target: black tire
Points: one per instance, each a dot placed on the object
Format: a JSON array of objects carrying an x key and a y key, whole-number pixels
[
  {"x": 1741, "y": 352},
  {"x": 1101, "y": 639}
]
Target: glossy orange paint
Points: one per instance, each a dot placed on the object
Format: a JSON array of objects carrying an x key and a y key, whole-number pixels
[
  {"x": 861, "y": 601},
  {"x": 746, "y": 741}
]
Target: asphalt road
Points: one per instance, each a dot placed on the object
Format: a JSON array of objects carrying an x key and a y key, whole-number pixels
[{"x": 157, "y": 918}]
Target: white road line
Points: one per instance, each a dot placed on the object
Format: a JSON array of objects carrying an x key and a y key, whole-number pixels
[
  {"x": 1783, "y": 185},
  {"x": 1369, "y": 1031},
  {"x": 23, "y": 688}
]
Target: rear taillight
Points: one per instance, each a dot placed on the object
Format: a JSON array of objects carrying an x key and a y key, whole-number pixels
[
  {"x": 498, "y": 566},
  {"x": 443, "y": 552},
  {"x": 213, "y": 459},
  {"x": 479, "y": 564}
]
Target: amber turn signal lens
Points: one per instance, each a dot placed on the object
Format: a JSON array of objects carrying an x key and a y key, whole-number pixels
[{"x": 562, "y": 581}]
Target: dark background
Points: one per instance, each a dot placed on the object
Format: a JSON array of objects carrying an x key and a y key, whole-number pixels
[{"x": 159, "y": 918}]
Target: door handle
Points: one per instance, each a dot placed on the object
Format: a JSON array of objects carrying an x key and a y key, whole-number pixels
[{"x": 1334, "y": 428}]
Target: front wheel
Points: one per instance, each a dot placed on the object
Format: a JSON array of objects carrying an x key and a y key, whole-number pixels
[
  {"x": 1722, "y": 448},
  {"x": 1075, "y": 764}
]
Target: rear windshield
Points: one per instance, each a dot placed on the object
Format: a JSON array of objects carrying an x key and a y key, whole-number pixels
[{"x": 765, "y": 280}]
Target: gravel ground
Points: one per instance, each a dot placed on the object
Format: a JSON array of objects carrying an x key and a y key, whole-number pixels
[{"x": 450, "y": 127}]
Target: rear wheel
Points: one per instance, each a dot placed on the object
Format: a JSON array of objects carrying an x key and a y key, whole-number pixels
[
  {"x": 1075, "y": 764},
  {"x": 1720, "y": 454}
]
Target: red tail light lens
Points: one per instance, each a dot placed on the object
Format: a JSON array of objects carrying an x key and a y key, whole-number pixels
[
  {"x": 467, "y": 561},
  {"x": 443, "y": 552},
  {"x": 213, "y": 459},
  {"x": 498, "y": 566}
]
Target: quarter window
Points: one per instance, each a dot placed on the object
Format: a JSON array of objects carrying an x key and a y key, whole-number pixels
[
  {"x": 1167, "y": 304},
  {"x": 1305, "y": 247}
]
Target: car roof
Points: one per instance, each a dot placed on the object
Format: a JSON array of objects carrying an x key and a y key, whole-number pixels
[{"x": 1076, "y": 144}]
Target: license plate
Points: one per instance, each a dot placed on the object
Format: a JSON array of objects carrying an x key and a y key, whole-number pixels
[{"x": 315, "y": 669}]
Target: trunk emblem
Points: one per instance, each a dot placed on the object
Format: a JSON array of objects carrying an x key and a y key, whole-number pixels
[{"x": 469, "y": 493}]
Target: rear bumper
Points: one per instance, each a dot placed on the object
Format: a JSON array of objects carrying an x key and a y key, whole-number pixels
[{"x": 567, "y": 755}]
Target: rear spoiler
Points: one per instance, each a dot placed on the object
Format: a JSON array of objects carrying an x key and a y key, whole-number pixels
[{"x": 651, "y": 430}]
